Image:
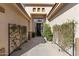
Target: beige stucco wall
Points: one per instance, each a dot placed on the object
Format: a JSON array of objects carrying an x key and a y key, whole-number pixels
[{"x": 11, "y": 16}]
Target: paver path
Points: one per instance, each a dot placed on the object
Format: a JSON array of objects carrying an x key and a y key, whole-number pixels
[{"x": 38, "y": 47}]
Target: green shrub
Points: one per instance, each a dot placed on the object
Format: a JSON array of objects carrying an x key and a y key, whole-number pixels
[{"x": 47, "y": 32}]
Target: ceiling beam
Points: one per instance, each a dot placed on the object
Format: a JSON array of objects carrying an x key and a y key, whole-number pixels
[{"x": 39, "y": 16}]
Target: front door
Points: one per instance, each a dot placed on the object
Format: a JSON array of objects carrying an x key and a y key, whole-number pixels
[{"x": 38, "y": 29}]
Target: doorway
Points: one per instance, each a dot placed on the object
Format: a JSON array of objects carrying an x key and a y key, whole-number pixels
[{"x": 38, "y": 29}]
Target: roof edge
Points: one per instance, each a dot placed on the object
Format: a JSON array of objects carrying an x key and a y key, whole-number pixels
[
  {"x": 55, "y": 9},
  {"x": 21, "y": 7}
]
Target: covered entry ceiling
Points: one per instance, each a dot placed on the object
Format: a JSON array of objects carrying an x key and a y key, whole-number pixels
[{"x": 38, "y": 16}]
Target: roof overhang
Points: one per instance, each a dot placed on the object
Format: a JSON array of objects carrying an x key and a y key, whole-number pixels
[
  {"x": 55, "y": 9},
  {"x": 20, "y": 7}
]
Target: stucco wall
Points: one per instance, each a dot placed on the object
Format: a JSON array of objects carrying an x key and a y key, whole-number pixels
[{"x": 11, "y": 16}]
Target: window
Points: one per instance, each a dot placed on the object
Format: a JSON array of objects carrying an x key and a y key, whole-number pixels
[
  {"x": 43, "y": 9},
  {"x": 34, "y": 9},
  {"x": 38, "y": 9}
]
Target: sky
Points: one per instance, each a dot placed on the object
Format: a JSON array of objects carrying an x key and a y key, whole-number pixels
[{"x": 39, "y": 1}]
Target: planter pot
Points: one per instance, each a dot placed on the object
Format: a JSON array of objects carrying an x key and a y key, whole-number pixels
[{"x": 47, "y": 40}]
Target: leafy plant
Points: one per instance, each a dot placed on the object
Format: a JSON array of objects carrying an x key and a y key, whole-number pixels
[{"x": 47, "y": 32}]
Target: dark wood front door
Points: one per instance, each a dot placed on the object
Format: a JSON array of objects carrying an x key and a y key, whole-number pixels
[{"x": 38, "y": 29}]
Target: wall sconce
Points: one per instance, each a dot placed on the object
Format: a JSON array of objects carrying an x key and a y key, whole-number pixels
[{"x": 2, "y": 10}]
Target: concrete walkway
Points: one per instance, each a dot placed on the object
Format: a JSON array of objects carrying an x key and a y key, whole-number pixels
[{"x": 38, "y": 47}]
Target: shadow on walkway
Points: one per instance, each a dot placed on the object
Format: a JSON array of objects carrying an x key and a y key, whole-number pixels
[{"x": 29, "y": 45}]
